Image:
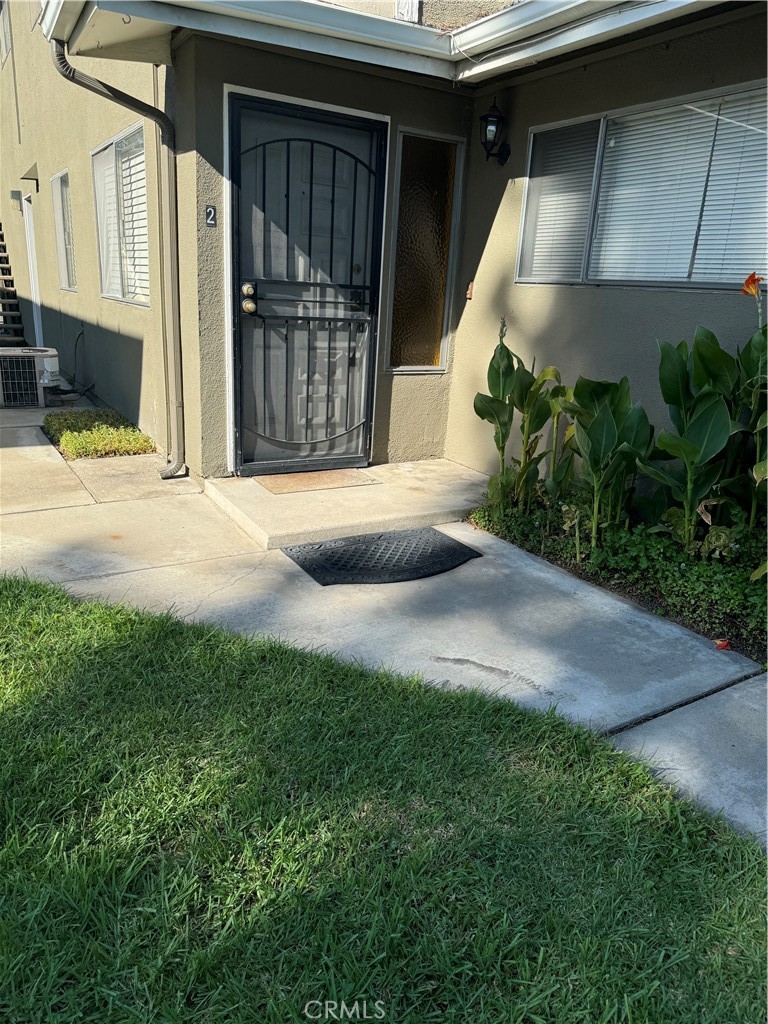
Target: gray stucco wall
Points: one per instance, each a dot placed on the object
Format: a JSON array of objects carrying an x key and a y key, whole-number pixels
[
  {"x": 605, "y": 331},
  {"x": 410, "y": 415}
]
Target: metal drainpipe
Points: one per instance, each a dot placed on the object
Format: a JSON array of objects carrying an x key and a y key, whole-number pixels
[{"x": 170, "y": 261}]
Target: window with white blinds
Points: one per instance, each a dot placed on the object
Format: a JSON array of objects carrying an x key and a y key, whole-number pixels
[
  {"x": 558, "y": 202},
  {"x": 680, "y": 196},
  {"x": 120, "y": 186},
  {"x": 62, "y": 218}
]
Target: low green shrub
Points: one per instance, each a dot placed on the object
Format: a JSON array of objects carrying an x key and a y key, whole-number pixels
[
  {"x": 95, "y": 434},
  {"x": 711, "y": 595}
]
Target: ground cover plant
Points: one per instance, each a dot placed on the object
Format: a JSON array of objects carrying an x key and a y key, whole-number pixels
[
  {"x": 712, "y": 596},
  {"x": 675, "y": 518},
  {"x": 200, "y": 827},
  {"x": 94, "y": 434}
]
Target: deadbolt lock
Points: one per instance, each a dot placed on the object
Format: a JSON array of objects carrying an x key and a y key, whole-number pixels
[
  {"x": 249, "y": 306},
  {"x": 247, "y": 290}
]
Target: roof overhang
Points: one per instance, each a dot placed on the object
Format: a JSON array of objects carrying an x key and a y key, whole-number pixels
[{"x": 527, "y": 33}]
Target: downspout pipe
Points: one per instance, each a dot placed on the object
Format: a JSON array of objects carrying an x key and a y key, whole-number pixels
[{"x": 169, "y": 245}]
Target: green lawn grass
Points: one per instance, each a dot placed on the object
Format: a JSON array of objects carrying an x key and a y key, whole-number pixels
[
  {"x": 95, "y": 434},
  {"x": 199, "y": 827}
]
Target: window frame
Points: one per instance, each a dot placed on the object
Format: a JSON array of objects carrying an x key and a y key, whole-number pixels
[
  {"x": 5, "y": 27},
  {"x": 58, "y": 225},
  {"x": 452, "y": 262},
  {"x": 603, "y": 116},
  {"x": 112, "y": 144}
]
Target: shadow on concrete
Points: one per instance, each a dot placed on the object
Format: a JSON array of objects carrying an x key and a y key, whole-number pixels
[{"x": 108, "y": 364}]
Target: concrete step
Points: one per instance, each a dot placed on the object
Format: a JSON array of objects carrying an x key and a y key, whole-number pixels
[{"x": 399, "y": 496}]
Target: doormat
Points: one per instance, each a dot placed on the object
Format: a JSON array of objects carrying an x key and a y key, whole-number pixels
[
  {"x": 393, "y": 557},
  {"x": 323, "y": 480}
]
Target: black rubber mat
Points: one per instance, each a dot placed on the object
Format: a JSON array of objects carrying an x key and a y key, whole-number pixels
[{"x": 393, "y": 557}]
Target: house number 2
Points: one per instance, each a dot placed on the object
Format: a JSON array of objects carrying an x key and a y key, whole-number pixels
[{"x": 210, "y": 216}]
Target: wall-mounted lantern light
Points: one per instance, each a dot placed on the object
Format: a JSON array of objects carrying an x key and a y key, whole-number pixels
[{"x": 491, "y": 127}]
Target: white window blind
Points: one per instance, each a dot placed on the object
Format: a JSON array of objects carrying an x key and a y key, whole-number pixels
[
  {"x": 654, "y": 171},
  {"x": 733, "y": 240},
  {"x": 682, "y": 197},
  {"x": 62, "y": 215},
  {"x": 121, "y": 214},
  {"x": 558, "y": 202},
  {"x": 133, "y": 210}
]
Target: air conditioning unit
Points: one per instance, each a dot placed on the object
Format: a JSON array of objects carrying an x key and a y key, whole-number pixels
[{"x": 25, "y": 373}]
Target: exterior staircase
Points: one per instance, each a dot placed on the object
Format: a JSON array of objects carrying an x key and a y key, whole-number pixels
[{"x": 11, "y": 327}]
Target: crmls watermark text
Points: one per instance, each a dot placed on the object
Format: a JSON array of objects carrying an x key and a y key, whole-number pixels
[{"x": 331, "y": 1009}]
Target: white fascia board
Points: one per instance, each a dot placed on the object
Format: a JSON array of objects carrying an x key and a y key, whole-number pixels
[
  {"x": 526, "y": 18},
  {"x": 543, "y": 28},
  {"x": 102, "y": 25},
  {"x": 60, "y": 17},
  {"x": 614, "y": 24},
  {"x": 326, "y": 19}
]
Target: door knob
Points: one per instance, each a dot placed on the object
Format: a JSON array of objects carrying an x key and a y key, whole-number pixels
[
  {"x": 249, "y": 306},
  {"x": 247, "y": 290}
]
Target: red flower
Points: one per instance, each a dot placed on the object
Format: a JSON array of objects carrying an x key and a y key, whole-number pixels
[
  {"x": 752, "y": 285},
  {"x": 722, "y": 645}
]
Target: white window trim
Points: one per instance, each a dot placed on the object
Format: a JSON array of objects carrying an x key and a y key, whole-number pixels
[
  {"x": 453, "y": 260},
  {"x": 98, "y": 149},
  {"x": 603, "y": 116},
  {"x": 62, "y": 287},
  {"x": 5, "y": 20}
]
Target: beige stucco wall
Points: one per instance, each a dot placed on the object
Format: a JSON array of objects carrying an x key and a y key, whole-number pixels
[
  {"x": 410, "y": 413},
  {"x": 46, "y": 120},
  {"x": 381, "y": 8},
  {"x": 449, "y": 14},
  {"x": 606, "y": 331}
]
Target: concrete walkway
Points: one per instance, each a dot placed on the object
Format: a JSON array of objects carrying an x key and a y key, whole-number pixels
[{"x": 507, "y": 623}]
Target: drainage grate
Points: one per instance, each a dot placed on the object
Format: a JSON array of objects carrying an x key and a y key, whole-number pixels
[{"x": 393, "y": 557}]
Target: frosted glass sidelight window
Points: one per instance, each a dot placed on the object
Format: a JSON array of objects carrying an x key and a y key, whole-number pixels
[
  {"x": 425, "y": 214},
  {"x": 680, "y": 196},
  {"x": 120, "y": 186},
  {"x": 62, "y": 217}
]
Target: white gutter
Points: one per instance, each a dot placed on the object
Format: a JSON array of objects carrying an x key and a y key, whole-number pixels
[
  {"x": 59, "y": 18},
  {"x": 526, "y": 33},
  {"x": 101, "y": 26},
  {"x": 613, "y": 24},
  {"x": 522, "y": 21},
  {"x": 328, "y": 20}
]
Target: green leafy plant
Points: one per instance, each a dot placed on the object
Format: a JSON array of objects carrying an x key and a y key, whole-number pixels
[
  {"x": 705, "y": 435},
  {"x": 531, "y": 398},
  {"x": 708, "y": 385},
  {"x": 497, "y": 409},
  {"x": 561, "y": 460},
  {"x": 686, "y": 376},
  {"x": 514, "y": 388},
  {"x": 94, "y": 434},
  {"x": 610, "y": 434}
]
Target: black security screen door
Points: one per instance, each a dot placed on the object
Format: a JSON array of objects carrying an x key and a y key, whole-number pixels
[{"x": 307, "y": 211}]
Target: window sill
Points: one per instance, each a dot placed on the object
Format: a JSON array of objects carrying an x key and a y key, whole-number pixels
[
  {"x": 126, "y": 302},
  {"x": 671, "y": 285},
  {"x": 413, "y": 371}
]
